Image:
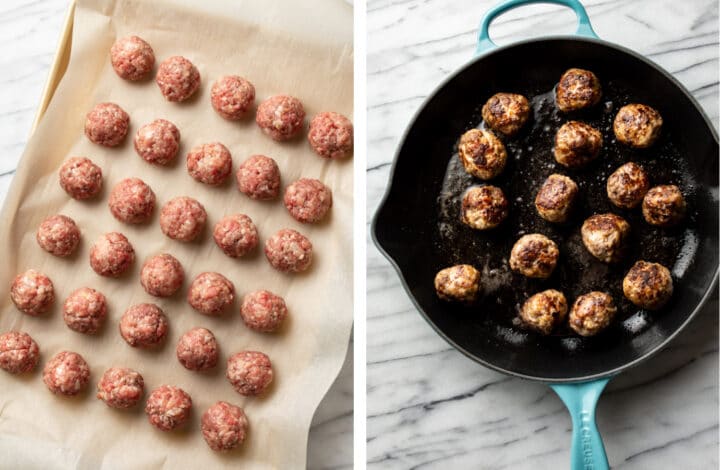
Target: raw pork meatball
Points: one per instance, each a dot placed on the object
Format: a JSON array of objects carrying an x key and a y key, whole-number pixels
[
  {"x": 121, "y": 387},
  {"x": 168, "y": 407},
  {"x": 648, "y": 285},
  {"x": 308, "y": 200},
  {"x": 80, "y": 178},
  {"x": 534, "y": 256},
  {"x": 289, "y": 251},
  {"x": 197, "y": 349},
  {"x": 544, "y": 311},
  {"x": 66, "y": 373},
  {"x": 281, "y": 117},
  {"x": 144, "y": 326},
  {"x": 132, "y": 201},
  {"x": 577, "y": 144},
  {"x": 627, "y": 186},
  {"x": 637, "y": 125},
  {"x": 331, "y": 135},
  {"x": 577, "y": 89},
  {"x": 555, "y": 199},
  {"x": 111, "y": 255},
  {"x": 506, "y": 112},
  {"x": 178, "y": 78},
  {"x": 211, "y": 293},
  {"x": 58, "y": 235},
  {"x": 482, "y": 154},
  {"x": 224, "y": 426},
  {"x": 132, "y": 58},
  {"x": 263, "y": 311},
  {"x": 236, "y": 235},
  {"x": 158, "y": 142},
  {"x": 591, "y": 313},
  {"x": 182, "y": 218},
  {"x": 249, "y": 372},
  {"x": 210, "y": 163},
  {"x": 32, "y": 292},
  {"x": 664, "y": 206},
  {"x": 259, "y": 178},
  {"x": 232, "y": 97},
  {"x": 484, "y": 207},
  {"x": 107, "y": 124},
  {"x": 19, "y": 353},
  {"x": 85, "y": 310},
  {"x": 162, "y": 275},
  {"x": 460, "y": 283},
  {"x": 605, "y": 236}
]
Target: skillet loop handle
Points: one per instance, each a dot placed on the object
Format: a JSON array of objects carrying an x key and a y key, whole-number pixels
[{"x": 485, "y": 44}]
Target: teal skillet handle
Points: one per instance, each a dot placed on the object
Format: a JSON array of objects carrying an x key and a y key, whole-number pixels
[
  {"x": 587, "y": 451},
  {"x": 485, "y": 43}
]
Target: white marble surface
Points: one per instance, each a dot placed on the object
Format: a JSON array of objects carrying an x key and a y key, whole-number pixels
[
  {"x": 29, "y": 34},
  {"x": 430, "y": 407}
]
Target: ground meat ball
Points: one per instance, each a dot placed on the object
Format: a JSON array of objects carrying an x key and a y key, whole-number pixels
[
  {"x": 132, "y": 58},
  {"x": 506, "y": 112},
  {"x": 111, "y": 255},
  {"x": 58, "y": 235},
  {"x": 249, "y": 372},
  {"x": 168, "y": 407},
  {"x": 482, "y": 154},
  {"x": 263, "y": 311},
  {"x": 308, "y": 200},
  {"x": 289, "y": 251},
  {"x": 107, "y": 124},
  {"x": 197, "y": 349},
  {"x": 143, "y": 326},
  {"x": 648, "y": 285},
  {"x": 664, "y": 206},
  {"x": 209, "y": 163},
  {"x": 544, "y": 311},
  {"x": 605, "y": 236},
  {"x": 32, "y": 292},
  {"x": 534, "y": 256},
  {"x": 232, "y": 97},
  {"x": 132, "y": 201},
  {"x": 259, "y": 177},
  {"x": 85, "y": 310},
  {"x": 555, "y": 199},
  {"x": 637, "y": 125},
  {"x": 236, "y": 235},
  {"x": 19, "y": 353},
  {"x": 627, "y": 186},
  {"x": 484, "y": 207},
  {"x": 577, "y": 89},
  {"x": 121, "y": 387},
  {"x": 591, "y": 313},
  {"x": 162, "y": 275},
  {"x": 281, "y": 117},
  {"x": 158, "y": 142},
  {"x": 577, "y": 144},
  {"x": 80, "y": 178},
  {"x": 224, "y": 426},
  {"x": 182, "y": 218},
  {"x": 66, "y": 373},
  {"x": 331, "y": 135},
  {"x": 460, "y": 283},
  {"x": 178, "y": 78},
  {"x": 211, "y": 293}
]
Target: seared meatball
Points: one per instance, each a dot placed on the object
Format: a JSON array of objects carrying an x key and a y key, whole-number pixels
[
  {"x": 289, "y": 251},
  {"x": 66, "y": 373},
  {"x": 484, "y": 207},
  {"x": 592, "y": 313},
  {"x": 168, "y": 407},
  {"x": 162, "y": 275},
  {"x": 263, "y": 311},
  {"x": 132, "y": 58},
  {"x": 178, "y": 78},
  {"x": 111, "y": 255},
  {"x": 627, "y": 186},
  {"x": 648, "y": 285},
  {"x": 577, "y": 144},
  {"x": 211, "y": 293},
  {"x": 32, "y": 292},
  {"x": 605, "y": 236},
  {"x": 80, "y": 178},
  {"x": 143, "y": 326},
  {"x": 132, "y": 201},
  {"x": 544, "y": 311},
  {"x": 157, "y": 142},
  {"x": 224, "y": 426},
  {"x": 664, "y": 206},
  {"x": 19, "y": 353},
  {"x": 555, "y": 199},
  {"x": 506, "y": 112},
  {"x": 182, "y": 218},
  {"x": 209, "y": 163},
  {"x": 249, "y": 372},
  {"x": 308, "y": 200},
  {"x": 85, "y": 310},
  {"x": 637, "y": 125},
  {"x": 482, "y": 154},
  {"x": 534, "y": 255},
  {"x": 232, "y": 97},
  {"x": 236, "y": 235},
  {"x": 331, "y": 135},
  {"x": 197, "y": 349},
  {"x": 460, "y": 283},
  {"x": 281, "y": 117},
  {"x": 58, "y": 235},
  {"x": 107, "y": 124},
  {"x": 259, "y": 178},
  {"x": 121, "y": 387},
  {"x": 577, "y": 89}
]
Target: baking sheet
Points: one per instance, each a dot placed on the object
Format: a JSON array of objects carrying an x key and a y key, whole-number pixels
[{"x": 265, "y": 42}]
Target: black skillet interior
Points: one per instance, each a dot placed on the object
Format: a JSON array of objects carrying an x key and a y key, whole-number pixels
[{"x": 417, "y": 225}]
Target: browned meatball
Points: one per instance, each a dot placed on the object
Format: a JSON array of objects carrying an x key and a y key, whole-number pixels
[
  {"x": 627, "y": 186},
  {"x": 577, "y": 144},
  {"x": 19, "y": 353},
  {"x": 85, "y": 310},
  {"x": 32, "y": 292},
  {"x": 648, "y": 285},
  {"x": 544, "y": 311},
  {"x": 577, "y": 89},
  {"x": 58, "y": 235},
  {"x": 664, "y": 206},
  {"x": 484, "y": 207},
  {"x": 460, "y": 283},
  {"x": 66, "y": 373},
  {"x": 534, "y": 255},
  {"x": 592, "y": 313},
  {"x": 121, "y": 387},
  {"x": 637, "y": 125},
  {"x": 555, "y": 199},
  {"x": 111, "y": 255},
  {"x": 605, "y": 237},
  {"x": 168, "y": 407},
  {"x": 197, "y": 349},
  {"x": 482, "y": 154},
  {"x": 506, "y": 112},
  {"x": 249, "y": 372},
  {"x": 224, "y": 426}
]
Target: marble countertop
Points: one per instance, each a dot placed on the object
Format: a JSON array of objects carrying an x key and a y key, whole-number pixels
[{"x": 430, "y": 407}]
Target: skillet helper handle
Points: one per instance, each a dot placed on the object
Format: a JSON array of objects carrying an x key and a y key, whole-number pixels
[
  {"x": 587, "y": 451},
  {"x": 485, "y": 43}
]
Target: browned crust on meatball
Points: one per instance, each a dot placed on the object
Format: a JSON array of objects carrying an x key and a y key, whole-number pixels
[
  {"x": 637, "y": 125},
  {"x": 627, "y": 186},
  {"x": 544, "y": 311},
  {"x": 168, "y": 407},
  {"x": 648, "y": 285},
  {"x": 249, "y": 372},
  {"x": 80, "y": 178},
  {"x": 555, "y": 199},
  {"x": 32, "y": 292},
  {"x": 121, "y": 387},
  {"x": 224, "y": 426},
  {"x": 19, "y": 353},
  {"x": 460, "y": 283},
  {"x": 534, "y": 255},
  {"x": 66, "y": 373},
  {"x": 506, "y": 112},
  {"x": 577, "y": 89},
  {"x": 605, "y": 236},
  {"x": 664, "y": 206},
  {"x": 592, "y": 313},
  {"x": 484, "y": 207},
  {"x": 482, "y": 154},
  {"x": 577, "y": 144}
]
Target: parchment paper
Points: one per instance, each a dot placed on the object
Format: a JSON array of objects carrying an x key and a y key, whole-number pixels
[{"x": 298, "y": 48}]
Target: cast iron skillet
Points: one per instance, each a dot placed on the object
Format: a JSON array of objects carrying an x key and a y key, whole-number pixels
[{"x": 417, "y": 227}]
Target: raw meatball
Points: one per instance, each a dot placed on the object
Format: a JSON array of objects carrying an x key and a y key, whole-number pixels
[
  {"x": 182, "y": 218},
  {"x": 80, "y": 178},
  {"x": 211, "y": 293},
  {"x": 162, "y": 275},
  {"x": 605, "y": 236},
  {"x": 591, "y": 313},
  {"x": 577, "y": 144},
  {"x": 66, "y": 373},
  {"x": 577, "y": 89},
  {"x": 259, "y": 177},
  {"x": 281, "y": 117},
  {"x": 232, "y": 97},
  {"x": 648, "y": 285},
  {"x": 158, "y": 142},
  {"x": 224, "y": 426},
  {"x": 85, "y": 310},
  {"x": 132, "y": 201},
  {"x": 210, "y": 163},
  {"x": 544, "y": 311},
  {"x": 482, "y": 154},
  {"x": 58, "y": 235},
  {"x": 289, "y": 251},
  {"x": 637, "y": 125},
  {"x": 484, "y": 207},
  {"x": 331, "y": 135},
  {"x": 236, "y": 235},
  {"x": 555, "y": 199},
  {"x": 168, "y": 407},
  {"x": 197, "y": 349},
  {"x": 506, "y": 112},
  {"x": 132, "y": 58},
  {"x": 460, "y": 283},
  {"x": 249, "y": 372},
  {"x": 627, "y": 186},
  {"x": 664, "y": 206},
  {"x": 534, "y": 256},
  {"x": 111, "y": 255},
  {"x": 32, "y": 292},
  {"x": 263, "y": 311},
  {"x": 107, "y": 124},
  {"x": 178, "y": 78},
  {"x": 308, "y": 200},
  {"x": 143, "y": 326},
  {"x": 121, "y": 387},
  {"x": 19, "y": 353}
]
